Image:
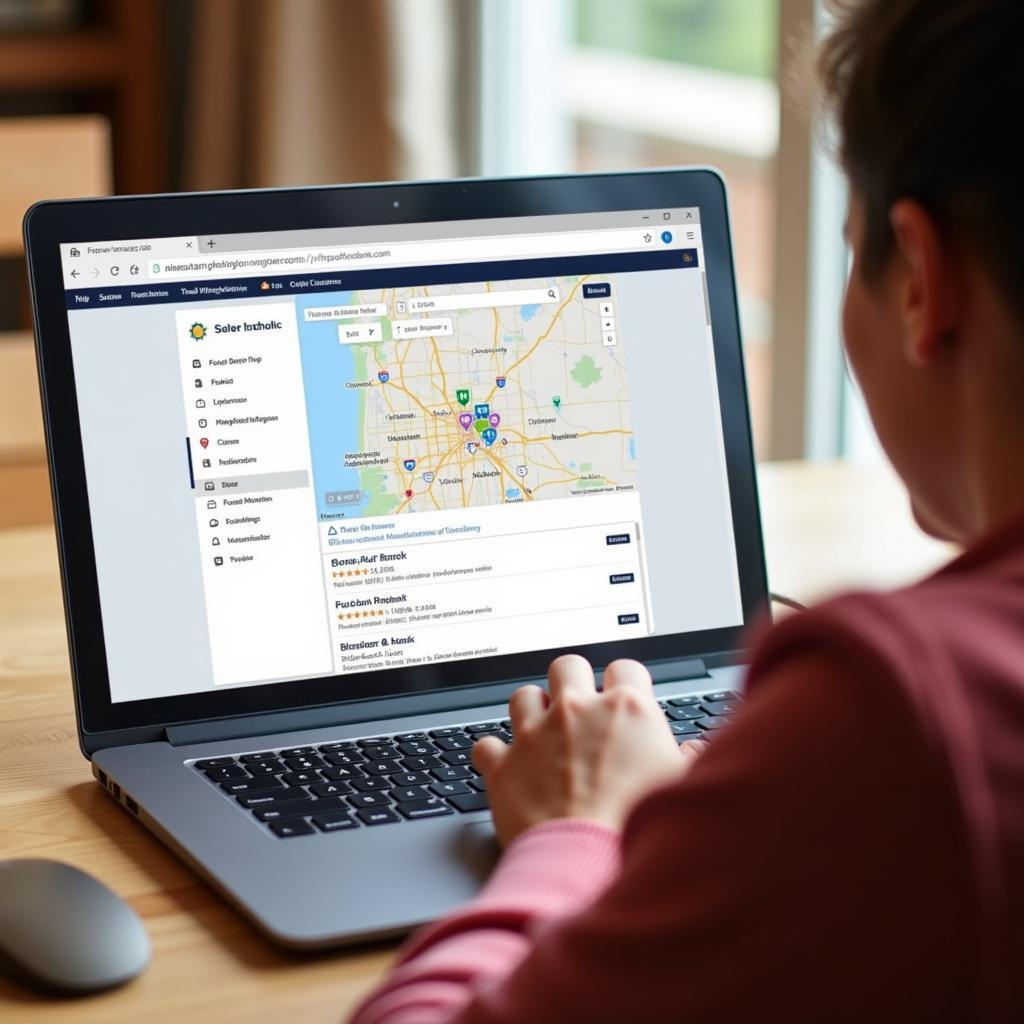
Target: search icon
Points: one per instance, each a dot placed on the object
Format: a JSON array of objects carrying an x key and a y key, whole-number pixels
[{"x": 552, "y": 294}]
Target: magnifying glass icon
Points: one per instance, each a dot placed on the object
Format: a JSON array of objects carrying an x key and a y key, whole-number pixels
[{"x": 552, "y": 294}]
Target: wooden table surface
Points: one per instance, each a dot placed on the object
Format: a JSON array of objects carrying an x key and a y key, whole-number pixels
[{"x": 827, "y": 527}]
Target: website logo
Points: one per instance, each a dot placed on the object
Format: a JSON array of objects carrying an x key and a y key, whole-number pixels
[{"x": 197, "y": 331}]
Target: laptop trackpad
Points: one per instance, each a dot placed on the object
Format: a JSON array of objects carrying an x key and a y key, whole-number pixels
[{"x": 477, "y": 848}]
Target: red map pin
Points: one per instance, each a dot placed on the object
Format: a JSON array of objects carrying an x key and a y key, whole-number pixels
[{"x": 204, "y": 441}]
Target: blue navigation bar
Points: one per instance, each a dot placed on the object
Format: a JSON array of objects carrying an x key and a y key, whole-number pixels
[{"x": 223, "y": 289}]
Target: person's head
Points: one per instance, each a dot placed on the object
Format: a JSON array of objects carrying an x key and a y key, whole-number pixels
[{"x": 928, "y": 101}]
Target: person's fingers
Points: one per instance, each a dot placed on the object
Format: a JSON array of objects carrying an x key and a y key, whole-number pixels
[
  {"x": 627, "y": 673},
  {"x": 691, "y": 750},
  {"x": 487, "y": 754},
  {"x": 527, "y": 706},
  {"x": 571, "y": 674}
]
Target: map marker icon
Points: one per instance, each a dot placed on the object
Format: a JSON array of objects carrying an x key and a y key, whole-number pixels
[{"x": 466, "y": 420}]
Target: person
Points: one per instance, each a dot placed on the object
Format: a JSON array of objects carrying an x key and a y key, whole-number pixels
[{"x": 851, "y": 847}]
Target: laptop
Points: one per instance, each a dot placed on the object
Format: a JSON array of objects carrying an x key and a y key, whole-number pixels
[{"x": 335, "y": 470}]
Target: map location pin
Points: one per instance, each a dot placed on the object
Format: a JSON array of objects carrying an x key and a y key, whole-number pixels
[
  {"x": 204, "y": 441},
  {"x": 466, "y": 420},
  {"x": 494, "y": 419},
  {"x": 490, "y": 436}
]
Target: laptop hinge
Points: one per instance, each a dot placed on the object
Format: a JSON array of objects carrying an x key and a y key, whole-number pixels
[{"x": 403, "y": 706}]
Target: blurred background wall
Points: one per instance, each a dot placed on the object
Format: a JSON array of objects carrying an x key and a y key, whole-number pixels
[{"x": 152, "y": 95}]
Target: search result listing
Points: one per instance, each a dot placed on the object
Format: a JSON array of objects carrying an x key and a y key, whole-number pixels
[{"x": 502, "y": 581}]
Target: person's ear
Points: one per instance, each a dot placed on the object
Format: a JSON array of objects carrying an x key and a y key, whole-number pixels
[{"x": 929, "y": 292}]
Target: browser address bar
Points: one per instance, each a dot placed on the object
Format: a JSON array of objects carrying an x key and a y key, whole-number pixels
[{"x": 397, "y": 254}]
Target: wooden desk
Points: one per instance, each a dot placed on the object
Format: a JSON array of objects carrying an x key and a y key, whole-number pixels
[{"x": 827, "y": 526}]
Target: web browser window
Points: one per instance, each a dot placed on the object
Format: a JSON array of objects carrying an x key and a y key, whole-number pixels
[{"x": 320, "y": 453}]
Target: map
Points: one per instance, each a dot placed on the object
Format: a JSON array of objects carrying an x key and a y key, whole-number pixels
[{"x": 500, "y": 402}]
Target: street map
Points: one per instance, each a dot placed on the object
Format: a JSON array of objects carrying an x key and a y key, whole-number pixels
[{"x": 463, "y": 407}]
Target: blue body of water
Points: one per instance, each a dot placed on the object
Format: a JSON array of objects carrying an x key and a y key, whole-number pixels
[{"x": 332, "y": 409}]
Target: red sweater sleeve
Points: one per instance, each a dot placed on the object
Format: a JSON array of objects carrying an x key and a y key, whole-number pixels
[{"x": 791, "y": 876}]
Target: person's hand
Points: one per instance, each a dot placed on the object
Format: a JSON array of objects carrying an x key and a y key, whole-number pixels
[{"x": 580, "y": 753}]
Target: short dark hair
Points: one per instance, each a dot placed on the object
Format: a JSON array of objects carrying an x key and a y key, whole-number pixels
[{"x": 928, "y": 100}]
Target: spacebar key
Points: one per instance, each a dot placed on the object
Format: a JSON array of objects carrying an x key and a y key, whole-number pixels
[{"x": 470, "y": 801}]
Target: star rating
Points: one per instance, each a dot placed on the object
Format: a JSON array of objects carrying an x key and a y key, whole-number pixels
[
  {"x": 367, "y": 614},
  {"x": 342, "y": 573}
]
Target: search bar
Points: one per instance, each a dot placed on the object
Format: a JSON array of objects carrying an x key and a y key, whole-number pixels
[
  {"x": 486, "y": 300},
  {"x": 399, "y": 254}
]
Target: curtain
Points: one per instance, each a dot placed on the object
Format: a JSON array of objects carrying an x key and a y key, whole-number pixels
[{"x": 302, "y": 92}]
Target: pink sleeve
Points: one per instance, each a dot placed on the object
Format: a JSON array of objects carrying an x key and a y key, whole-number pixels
[
  {"x": 549, "y": 871},
  {"x": 790, "y": 876}
]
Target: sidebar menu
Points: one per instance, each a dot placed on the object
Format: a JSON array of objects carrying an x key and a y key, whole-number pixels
[{"x": 248, "y": 444}]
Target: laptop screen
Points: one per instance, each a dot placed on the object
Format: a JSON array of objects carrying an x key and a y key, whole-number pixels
[{"x": 325, "y": 452}]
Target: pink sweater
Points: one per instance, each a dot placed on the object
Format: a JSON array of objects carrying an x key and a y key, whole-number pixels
[{"x": 851, "y": 848}]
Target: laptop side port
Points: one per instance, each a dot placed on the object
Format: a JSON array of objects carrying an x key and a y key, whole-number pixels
[{"x": 131, "y": 805}]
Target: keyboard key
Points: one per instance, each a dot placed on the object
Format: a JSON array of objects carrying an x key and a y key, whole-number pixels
[
  {"x": 455, "y": 743},
  {"x": 687, "y": 728},
  {"x": 301, "y": 764},
  {"x": 421, "y": 764},
  {"x": 377, "y": 815},
  {"x": 250, "y": 785},
  {"x": 342, "y": 757},
  {"x": 264, "y": 768},
  {"x": 373, "y": 741},
  {"x": 430, "y": 808},
  {"x": 300, "y": 778},
  {"x": 329, "y": 748},
  {"x": 297, "y": 751},
  {"x": 478, "y": 783},
  {"x": 214, "y": 762},
  {"x": 409, "y": 737},
  {"x": 264, "y": 755},
  {"x": 448, "y": 773},
  {"x": 684, "y": 702},
  {"x": 470, "y": 802},
  {"x": 372, "y": 784},
  {"x": 409, "y": 779},
  {"x": 342, "y": 773},
  {"x": 685, "y": 714},
  {"x": 725, "y": 707},
  {"x": 418, "y": 749},
  {"x": 448, "y": 730},
  {"x": 369, "y": 799},
  {"x": 405, "y": 794},
  {"x": 292, "y": 809},
  {"x": 331, "y": 788},
  {"x": 385, "y": 767},
  {"x": 337, "y": 821},
  {"x": 712, "y": 723},
  {"x": 272, "y": 797},
  {"x": 716, "y": 698},
  {"x": 449, "y": 788},
  {"x": 456, "y": 756},
  {"x": 382, "y": 752},
  {"x": 483, "y": 727},
  {"x": 228, "y": 771},
  {"x": 291, "y": 827}
]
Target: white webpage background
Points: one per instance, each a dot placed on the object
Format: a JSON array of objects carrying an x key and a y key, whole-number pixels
[{"x": 143, "y": 521}]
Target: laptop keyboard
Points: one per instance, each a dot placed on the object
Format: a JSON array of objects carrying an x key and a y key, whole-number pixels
[{"x": 405, "y": 776}]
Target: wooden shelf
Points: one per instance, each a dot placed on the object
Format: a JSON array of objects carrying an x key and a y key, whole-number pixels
[{"x": 72, "y": 60}]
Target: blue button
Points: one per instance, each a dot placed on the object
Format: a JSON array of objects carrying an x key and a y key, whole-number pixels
[
  {"x": 632, "y": 619},
  {"x": 666, "y": 237},
  {"x": 621, "y": 577},
  {"x": 617, "y": 538},
  {"x": 597, "y": 291}
]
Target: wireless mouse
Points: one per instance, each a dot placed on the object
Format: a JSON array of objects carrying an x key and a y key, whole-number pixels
[{"x": 62, "y": 930}]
